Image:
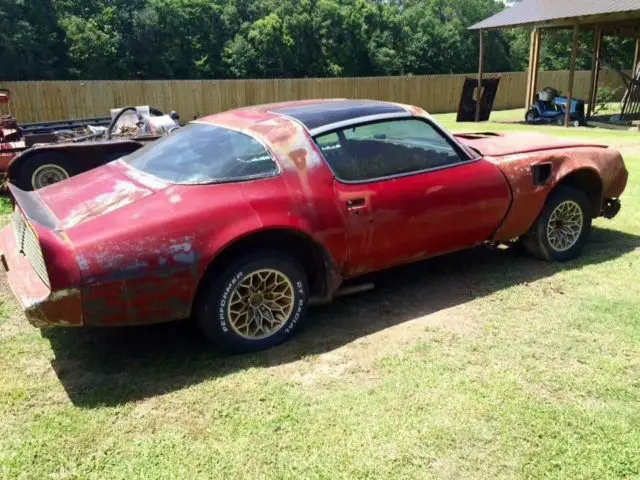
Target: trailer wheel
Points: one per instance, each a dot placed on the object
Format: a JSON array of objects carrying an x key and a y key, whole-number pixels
[{"x": 43, "y": 169}]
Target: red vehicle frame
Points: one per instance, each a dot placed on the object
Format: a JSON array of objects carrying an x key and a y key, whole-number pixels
[
  {"x": 11, "y": 141},
  {"x": 119, "y": 245}
]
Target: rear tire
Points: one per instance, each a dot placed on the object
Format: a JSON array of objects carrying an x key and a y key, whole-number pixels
[
  {"x": 43, "y": 169},
  {"x": 563, "y": 228},
  {"x": 531, "y": 116},
  {"x": 256, "y": 303}
]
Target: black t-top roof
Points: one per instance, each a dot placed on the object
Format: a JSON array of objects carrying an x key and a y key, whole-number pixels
[{"x": 321, "y": 113}]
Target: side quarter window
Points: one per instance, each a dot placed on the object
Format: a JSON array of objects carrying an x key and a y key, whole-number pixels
[{"x": 388, "y": 148}]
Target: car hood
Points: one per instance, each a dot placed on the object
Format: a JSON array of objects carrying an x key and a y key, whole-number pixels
[
  {"x": 96, "y": 192},
  {"x": 500, "y": 144}
]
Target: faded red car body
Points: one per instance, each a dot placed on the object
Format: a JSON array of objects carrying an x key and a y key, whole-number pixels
[
  {"x": 516, "y": 154},
  {"x": 121, "y": 247}
]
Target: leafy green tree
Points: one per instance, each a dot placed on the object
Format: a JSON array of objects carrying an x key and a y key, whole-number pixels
[
  {"x": 31, "y": 42},
  {"x": 176, "y": 39},
  {"x": 93, "y": 45},
  {"x": 156, "y": 39}
]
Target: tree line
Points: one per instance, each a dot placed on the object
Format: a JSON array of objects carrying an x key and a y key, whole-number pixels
[{"x": 208, "y": 39}]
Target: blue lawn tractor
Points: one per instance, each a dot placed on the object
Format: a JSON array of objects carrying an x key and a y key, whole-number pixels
[{"x": 550, "y": 107}]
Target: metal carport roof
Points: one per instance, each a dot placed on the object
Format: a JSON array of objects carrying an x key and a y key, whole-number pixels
[{"x": 558, "y": 12}]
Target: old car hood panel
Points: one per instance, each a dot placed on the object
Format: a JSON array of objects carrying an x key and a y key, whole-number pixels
[
  {"x": 96, "y": 193},
  {"x": 499, "y": 144}
]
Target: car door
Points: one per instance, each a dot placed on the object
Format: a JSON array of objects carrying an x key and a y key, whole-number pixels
[{"x": 408, "y": 192}]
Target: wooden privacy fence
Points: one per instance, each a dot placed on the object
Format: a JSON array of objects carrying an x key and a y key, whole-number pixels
[{"x": 61, "y": 100}]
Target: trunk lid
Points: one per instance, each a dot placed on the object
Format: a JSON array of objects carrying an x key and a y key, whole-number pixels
[
  {"x": 84, "y": 197},
  {"x": 500, "y": 144}
]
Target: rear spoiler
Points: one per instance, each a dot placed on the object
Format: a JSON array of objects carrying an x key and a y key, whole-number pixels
[{"x": 31, "y": 206}]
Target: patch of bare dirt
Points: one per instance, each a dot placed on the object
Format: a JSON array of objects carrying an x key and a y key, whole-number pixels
[{"x": 356, "y": 360}]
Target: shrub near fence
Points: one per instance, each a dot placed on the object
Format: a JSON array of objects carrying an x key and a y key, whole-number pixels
[{"x": 60, "y": 100}]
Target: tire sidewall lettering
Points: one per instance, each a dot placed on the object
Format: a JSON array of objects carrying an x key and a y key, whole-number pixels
[
  {"x": 300, "y": 304},
  {"x": 222, "y": 304}
]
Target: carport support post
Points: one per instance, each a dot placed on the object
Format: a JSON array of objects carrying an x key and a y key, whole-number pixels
[
  {"x": 595, "y": 70},
  {"x": 532, "y": 46},
  {"x": 480, "y": 67},
  {"x": 634, "y": 72},
  {"x": 534, "y": 66},
  {"x": 572, "y": 73}
]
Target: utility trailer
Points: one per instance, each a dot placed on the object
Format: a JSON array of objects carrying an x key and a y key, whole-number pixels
[{"x": 35, "y": 155}]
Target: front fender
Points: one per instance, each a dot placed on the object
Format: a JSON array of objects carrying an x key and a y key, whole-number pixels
[{"x": 529, "y": 198}]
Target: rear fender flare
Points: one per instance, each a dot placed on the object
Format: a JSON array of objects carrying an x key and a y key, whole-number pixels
[{"x": 238, "y": 233}]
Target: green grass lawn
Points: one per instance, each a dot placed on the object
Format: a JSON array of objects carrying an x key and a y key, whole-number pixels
[
  {"x": 5, "y": 206},
  {"x": 481, "y": 365}
]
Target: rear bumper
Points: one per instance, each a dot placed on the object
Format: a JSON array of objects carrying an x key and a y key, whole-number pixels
[
  {"x": 41, "y": 306},
  {"x": 611, "y": 204},
  {"x": 611, "y": 208}
]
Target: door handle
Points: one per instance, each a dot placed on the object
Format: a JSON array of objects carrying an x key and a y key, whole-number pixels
[{"x": 356, "y": 205}]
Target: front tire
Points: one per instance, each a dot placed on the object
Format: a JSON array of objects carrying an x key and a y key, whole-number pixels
[
  {"x": 563, "y": 228},
  {"x": 256, "y": 303}
]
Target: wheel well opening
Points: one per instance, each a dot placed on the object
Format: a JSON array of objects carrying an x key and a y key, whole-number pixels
[
  {"x": 589, "y": 182},
  {"x": 309, "y": 254}
]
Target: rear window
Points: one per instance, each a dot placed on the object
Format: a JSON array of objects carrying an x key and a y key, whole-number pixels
[{"x": 201, "y": 153}]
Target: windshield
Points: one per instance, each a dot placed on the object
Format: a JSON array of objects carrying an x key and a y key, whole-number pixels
[{"x": 201, "y": 153}]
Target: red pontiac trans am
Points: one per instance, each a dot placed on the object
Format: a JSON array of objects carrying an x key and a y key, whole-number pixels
[{"x": 242, "y": 218}]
